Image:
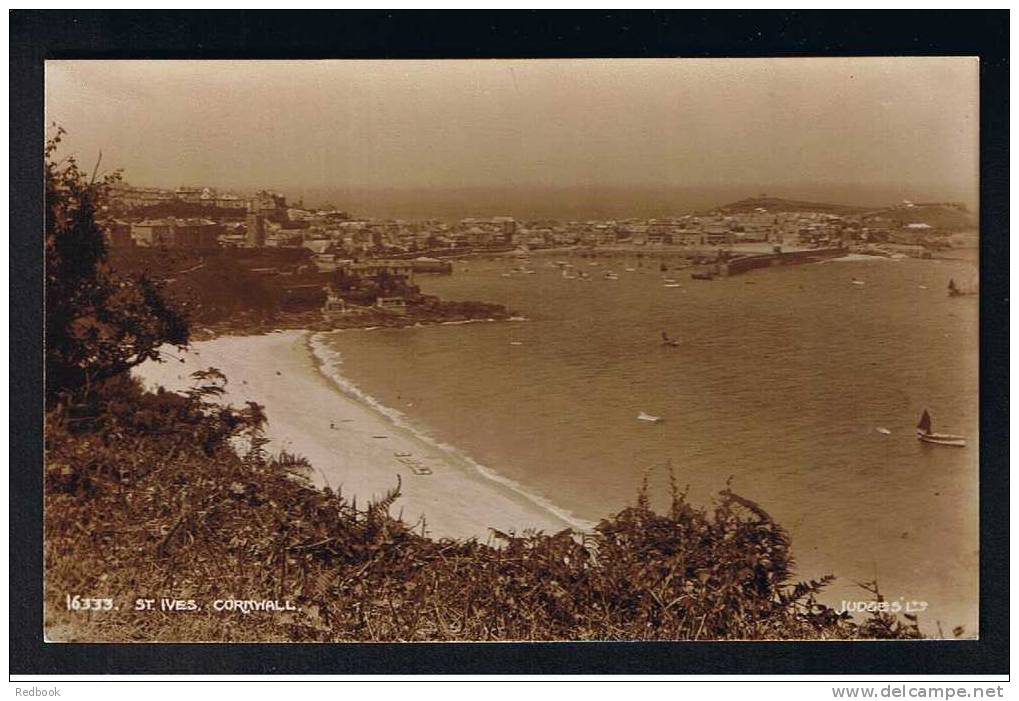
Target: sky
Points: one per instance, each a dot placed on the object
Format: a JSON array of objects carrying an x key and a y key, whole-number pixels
[{"x": 907, "y": 123}]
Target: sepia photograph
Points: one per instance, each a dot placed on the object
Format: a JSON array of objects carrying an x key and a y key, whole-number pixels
[{"x": 511, "y": 350}]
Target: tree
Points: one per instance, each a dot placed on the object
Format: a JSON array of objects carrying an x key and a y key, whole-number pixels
[{"x": 98, "y": 324}]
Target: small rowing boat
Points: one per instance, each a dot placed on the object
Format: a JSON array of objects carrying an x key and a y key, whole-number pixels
[{"x": 644, "y": 416}]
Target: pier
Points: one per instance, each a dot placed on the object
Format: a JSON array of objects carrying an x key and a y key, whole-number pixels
[{"x": 743, "y": 264}]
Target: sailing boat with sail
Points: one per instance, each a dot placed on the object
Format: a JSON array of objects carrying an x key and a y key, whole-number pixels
[
  {"x": 925, "y": 434},
  {"x": 955, "y": 290}
]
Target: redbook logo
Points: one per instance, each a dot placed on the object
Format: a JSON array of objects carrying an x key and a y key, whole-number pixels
[{"x": 36, "y": 691}]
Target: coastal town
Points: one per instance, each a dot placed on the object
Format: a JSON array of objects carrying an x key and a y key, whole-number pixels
[{"x": 332, "y": 268}]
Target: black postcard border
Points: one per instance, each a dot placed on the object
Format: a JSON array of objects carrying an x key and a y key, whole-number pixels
[{"x": 38, "y": 35}]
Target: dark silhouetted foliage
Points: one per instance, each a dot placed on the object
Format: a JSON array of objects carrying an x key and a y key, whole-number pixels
[{"x": 98, "y": 324}]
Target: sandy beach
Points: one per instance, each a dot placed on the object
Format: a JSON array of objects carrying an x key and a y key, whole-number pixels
[{"x": 351, "y": 445}]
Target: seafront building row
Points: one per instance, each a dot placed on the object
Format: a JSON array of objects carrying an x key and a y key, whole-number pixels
[{"x": 202, "y": 218}]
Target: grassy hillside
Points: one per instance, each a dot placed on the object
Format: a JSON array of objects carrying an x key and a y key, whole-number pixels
[
  {"x": 938, "y": 215},
  {"x": 944, "y": 217},
  {"x": 778, "y": 204}
]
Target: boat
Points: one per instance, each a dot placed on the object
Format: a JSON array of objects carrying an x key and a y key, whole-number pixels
[
  {"x": 666, "y": 341},
  {"x": 883, "y": 431},
  {"x": 611, "y": 276},
  {"x": 925, "y": 434},
  {"x": 644, "y": 416},
  {"x": 672, "y": 284},
  {"x": 957, "y": 291},
  {"x": 415, "y": 465},
  {"x": 858, "y": 282}
]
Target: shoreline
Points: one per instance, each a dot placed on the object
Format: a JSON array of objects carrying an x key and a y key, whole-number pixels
[{"x": 352, "y": 442}]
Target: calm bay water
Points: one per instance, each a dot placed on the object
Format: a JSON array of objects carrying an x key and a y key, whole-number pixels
[{"x": 780, "y": 382}]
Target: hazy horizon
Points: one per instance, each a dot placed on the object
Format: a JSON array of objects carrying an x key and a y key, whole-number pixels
[
  {"x": 593, "y": 202},
  {"x": 883, "y": 128}
]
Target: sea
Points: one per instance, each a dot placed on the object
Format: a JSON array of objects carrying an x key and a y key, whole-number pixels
[{"x": 798, "y": 387}]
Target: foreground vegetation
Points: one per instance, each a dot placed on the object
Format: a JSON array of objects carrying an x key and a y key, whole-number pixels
[
  {"x": 174, "y": 498},
  {"x": 148, "y": 496}
]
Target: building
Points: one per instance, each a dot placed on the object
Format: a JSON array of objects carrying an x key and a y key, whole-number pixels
[
  {"x": 496, "y": 231},
  {"x": 334, "y": 305},
  {"x": 373, "y": 269},
  {"x": 131, "y": 197},
  {"x": 196, "y": 233},
  {"x": 507, "y": 227},
  {"x": 270, "y": 205},
  {"x": 228, "y": 201},
  {"x": 393, "y": 305},
  {"x": 196, "y": 195},
  {"x": 176, "y": 233},
  {"x": 117, "y": 234},
  {"x": 256, "y": 230},
  {"x": 717, "y": 233},
  {"x": 152, "y": 233}
]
